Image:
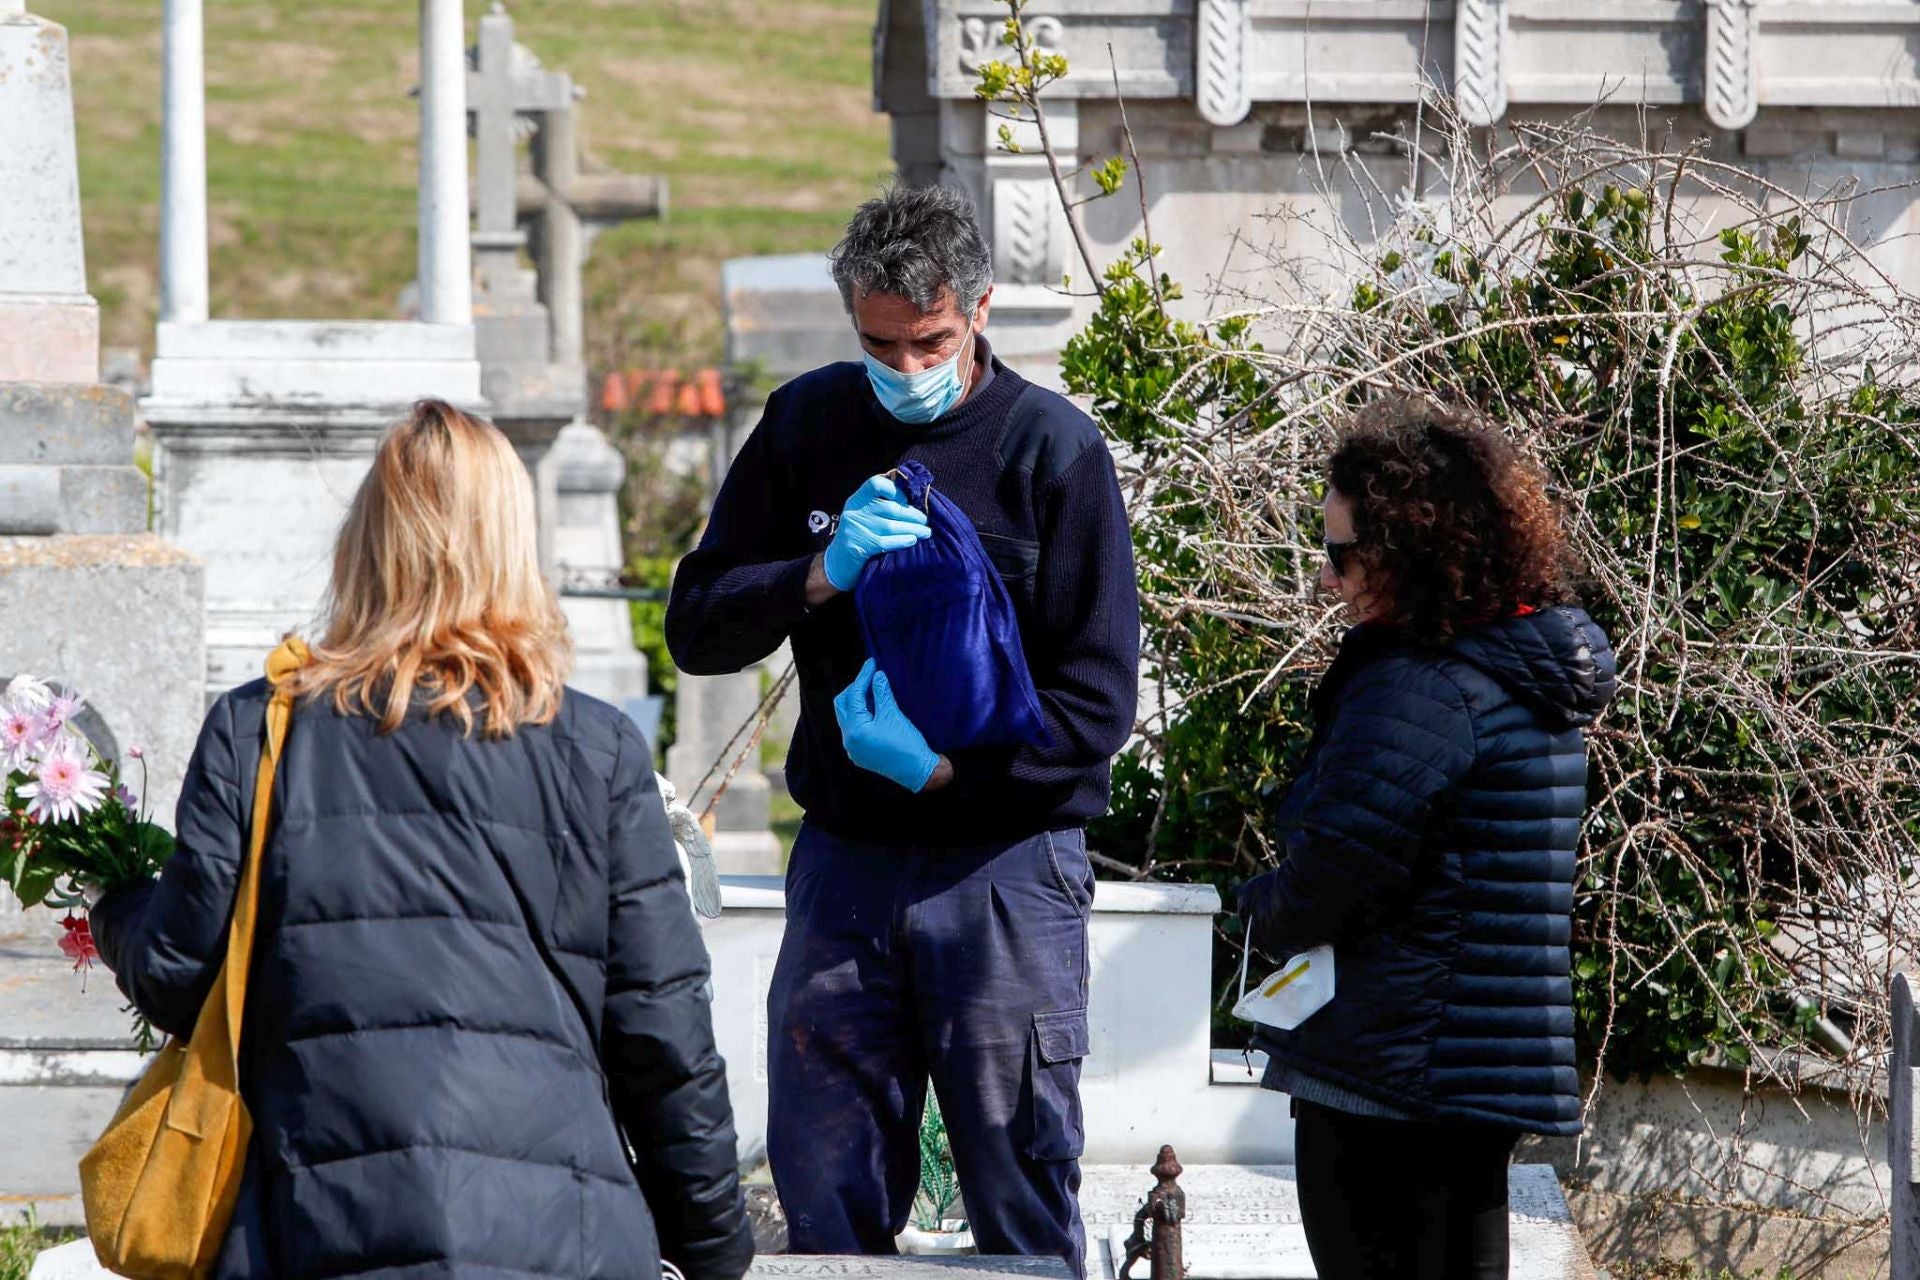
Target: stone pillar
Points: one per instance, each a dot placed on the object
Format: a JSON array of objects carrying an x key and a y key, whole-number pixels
[
  {"x": 446, "y": 273},
  {"x": 183, "y": 165},
  {"x": 588, "y": 473},
  {"x": 1903, "y": 1129}
]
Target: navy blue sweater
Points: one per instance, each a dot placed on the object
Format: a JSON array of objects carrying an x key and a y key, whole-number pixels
[{"x": 1033, "y": 474}]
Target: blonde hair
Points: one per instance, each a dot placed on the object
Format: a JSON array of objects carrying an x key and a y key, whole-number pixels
[{"x": 437, "y": 588}]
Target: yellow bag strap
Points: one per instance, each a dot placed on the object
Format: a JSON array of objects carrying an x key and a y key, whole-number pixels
[{"x": 214, "y": 1052}]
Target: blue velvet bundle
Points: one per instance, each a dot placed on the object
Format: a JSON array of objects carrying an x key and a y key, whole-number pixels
[{"x": 938, "y": 620}]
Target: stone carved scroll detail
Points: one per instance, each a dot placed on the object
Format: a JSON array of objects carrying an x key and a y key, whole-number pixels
[
  {"x": 980, "y": 41},
  {"x": 1222, "y": 37},
  {"x": 1023, "y": 231},
  {"x": 1479, "y": 60},
  {"x": 1733, "y": 70}
]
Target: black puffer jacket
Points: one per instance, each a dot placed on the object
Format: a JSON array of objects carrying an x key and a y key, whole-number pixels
[
  {"x": 1431, "y": 839},
  {"x": 428, "y": 1101}
]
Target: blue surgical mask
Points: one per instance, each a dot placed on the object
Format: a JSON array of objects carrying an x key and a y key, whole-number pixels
[{"x": 921, "y": 397}]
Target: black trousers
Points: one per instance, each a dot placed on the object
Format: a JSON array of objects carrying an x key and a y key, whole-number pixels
[{"x": 1398, "y": 1200}]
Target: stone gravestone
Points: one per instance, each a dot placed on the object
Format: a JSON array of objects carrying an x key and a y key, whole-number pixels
[
  {"x": 1903, "y": 1129},
  {"x": 1243, "y": 1223},
  {"x": 88, "y": 598},
  {"x": 528, "y": 326}
]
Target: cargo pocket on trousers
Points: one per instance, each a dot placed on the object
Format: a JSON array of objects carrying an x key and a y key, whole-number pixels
[{"x": 1051, "y": 1101}]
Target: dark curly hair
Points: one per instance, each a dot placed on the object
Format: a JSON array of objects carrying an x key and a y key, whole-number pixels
[{"x": 1451, "y": 519}]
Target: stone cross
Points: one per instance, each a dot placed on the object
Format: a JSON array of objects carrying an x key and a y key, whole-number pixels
[
  {"x": 1903, "y": 1130},
  {"x": 566, "y": 207}
]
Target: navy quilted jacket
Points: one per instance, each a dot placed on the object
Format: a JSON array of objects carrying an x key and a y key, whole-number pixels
[
  {"x": 1431, "y": 840},
  {"x": 428, "y": 1099}
]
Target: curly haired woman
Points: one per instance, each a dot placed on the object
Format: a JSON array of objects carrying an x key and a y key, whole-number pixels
[{"x": 1430, "y": 839}]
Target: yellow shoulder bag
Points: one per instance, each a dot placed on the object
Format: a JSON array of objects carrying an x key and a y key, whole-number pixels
[{"x": 160, "y": 1185}]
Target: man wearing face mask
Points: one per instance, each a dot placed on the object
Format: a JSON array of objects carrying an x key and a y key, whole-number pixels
[{"x": 937, "y": 905}]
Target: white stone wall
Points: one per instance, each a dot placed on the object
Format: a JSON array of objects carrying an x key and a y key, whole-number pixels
[{"x": 1150, "y": 1076}]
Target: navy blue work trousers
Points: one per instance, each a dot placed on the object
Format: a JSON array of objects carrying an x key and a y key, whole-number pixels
[{"x": 902, "y": 965}]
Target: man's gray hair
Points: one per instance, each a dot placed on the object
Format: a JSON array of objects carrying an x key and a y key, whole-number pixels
[{"x": 915, "y": 242}]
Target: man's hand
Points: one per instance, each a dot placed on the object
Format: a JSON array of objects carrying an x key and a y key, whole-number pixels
[
  {"x": 879, "y": 737},
  {"x": 873, "y": 522}
]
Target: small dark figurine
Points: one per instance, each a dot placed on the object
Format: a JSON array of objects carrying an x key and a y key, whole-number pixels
[{"x": 1166, "y": 1208}]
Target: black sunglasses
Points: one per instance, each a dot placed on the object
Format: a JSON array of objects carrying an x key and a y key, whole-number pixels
[{"x": 1338, "y": 553}]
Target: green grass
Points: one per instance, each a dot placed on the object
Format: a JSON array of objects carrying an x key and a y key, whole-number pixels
[
  {"x": 758, "y": 112},
  {"x": 20, "y": 1243}
]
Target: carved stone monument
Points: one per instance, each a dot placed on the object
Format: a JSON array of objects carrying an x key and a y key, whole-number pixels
[{"x": 1242, "y": 109}]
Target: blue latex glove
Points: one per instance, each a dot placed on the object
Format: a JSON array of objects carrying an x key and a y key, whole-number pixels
[
  {"x": 877, "y": 734},
  {"x": 874, "y": 521}
]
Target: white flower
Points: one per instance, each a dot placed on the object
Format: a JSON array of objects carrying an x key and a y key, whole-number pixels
[
  {"x": 29, "y": 693},
  {"x": 63, "y": 787}
]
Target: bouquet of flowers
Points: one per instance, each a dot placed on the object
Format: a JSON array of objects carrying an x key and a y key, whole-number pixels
[{"x": 67, "y": 823}]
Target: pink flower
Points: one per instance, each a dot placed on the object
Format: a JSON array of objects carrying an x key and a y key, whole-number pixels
[
  {"x": 22, "y": 734},
  {"x": 77, "y": 942},
  {"x": 63, "y": 787},
  {"x": 136, "y": 752}
]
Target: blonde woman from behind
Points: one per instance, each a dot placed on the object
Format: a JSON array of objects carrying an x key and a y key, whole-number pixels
[{"x": 476, "y": 1039}]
